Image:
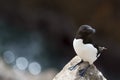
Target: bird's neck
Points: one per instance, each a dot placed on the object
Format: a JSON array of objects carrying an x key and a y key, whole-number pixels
[{"x": 85, "y": 39}]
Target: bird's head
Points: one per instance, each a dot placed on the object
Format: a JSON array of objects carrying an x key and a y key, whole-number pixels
[{"x": 84, "y": 31}]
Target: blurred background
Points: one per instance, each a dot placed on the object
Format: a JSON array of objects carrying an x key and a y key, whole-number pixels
[{"x": 36, "y": 36}]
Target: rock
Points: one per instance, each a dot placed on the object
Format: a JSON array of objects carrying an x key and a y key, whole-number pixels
[{"x": 92, "y": 73}]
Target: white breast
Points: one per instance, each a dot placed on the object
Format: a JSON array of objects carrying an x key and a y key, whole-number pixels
[{"x": 85, "y": 51}]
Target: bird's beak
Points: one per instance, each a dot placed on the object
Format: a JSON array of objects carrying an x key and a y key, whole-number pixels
[
  {"x": 91, "y": 30},
  {"x": 94, "y": 30}
]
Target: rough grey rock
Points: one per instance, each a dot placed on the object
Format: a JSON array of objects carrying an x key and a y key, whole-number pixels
[{"x": 92, "y": 73}]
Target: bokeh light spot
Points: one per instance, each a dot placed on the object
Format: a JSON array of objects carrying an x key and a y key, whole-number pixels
[
  {"x": 34, "y": 68},
  {"x": 9, "y": 57},
  {"x": 21, "y": 63}
]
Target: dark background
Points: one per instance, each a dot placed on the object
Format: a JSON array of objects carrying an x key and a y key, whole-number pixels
[{"x": 43, "y": 31}]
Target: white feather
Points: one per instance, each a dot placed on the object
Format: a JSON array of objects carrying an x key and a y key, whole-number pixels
[{"x": 85, "y": 51}]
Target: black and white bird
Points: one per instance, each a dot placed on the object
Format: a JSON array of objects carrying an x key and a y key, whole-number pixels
[{"x": 85, "y": 48}]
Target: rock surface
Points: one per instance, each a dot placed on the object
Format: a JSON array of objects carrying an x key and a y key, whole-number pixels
[{"x": 92, "y": 73}]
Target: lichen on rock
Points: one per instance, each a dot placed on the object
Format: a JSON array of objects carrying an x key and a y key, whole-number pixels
[{"x": 92, "y": 73}]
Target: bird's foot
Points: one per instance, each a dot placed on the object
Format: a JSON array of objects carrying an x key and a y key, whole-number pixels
[
  {"x": 82, "y": 72},
  {"x": 71, "y": 68}
]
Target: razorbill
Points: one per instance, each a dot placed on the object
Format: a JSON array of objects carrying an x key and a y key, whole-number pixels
[{"x": 84, "y": 47}]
